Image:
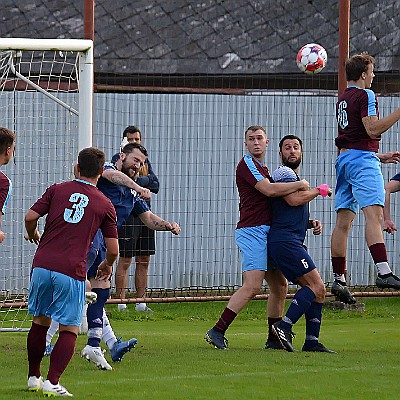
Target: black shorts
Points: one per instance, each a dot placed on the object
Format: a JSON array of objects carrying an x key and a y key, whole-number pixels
[{"x": 136, "y": 239}]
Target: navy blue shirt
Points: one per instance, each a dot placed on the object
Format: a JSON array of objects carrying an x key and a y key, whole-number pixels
[
  {"x": 124, "y": 199},
  {"x": 289, "y": 223}
]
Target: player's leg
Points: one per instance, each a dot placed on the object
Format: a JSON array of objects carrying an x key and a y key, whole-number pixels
[
  {"x": 344, "y": 220},
  {"x": 66, "y": 308},
  {"x": 252, "y": 243},
  {"x": 345, "y": 206},
  {"x": 278, "y": 287},
  {"x": 313, "y": 314},
  {"x": 117, "y": 347},
  {"x": 40, "y": 296},
  {"x": 374, "y": 236}
]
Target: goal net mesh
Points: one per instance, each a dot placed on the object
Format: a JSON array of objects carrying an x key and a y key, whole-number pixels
[{"x": 39, "y": 102}]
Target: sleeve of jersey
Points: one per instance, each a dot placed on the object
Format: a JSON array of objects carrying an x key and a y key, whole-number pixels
[
  {"x": 396, "y": 177},
  {"x": 369, "y": 104},
  {"x": 251, "y": 173},
  {"x": 5, "y": 192},
  {"x": 284, "y": 174},
  {"x": 109, "y": 165},
  {"x": 109, "y": 225},
  {"x": 42, "y": 205},
  {"x": 139, "y": 207}
]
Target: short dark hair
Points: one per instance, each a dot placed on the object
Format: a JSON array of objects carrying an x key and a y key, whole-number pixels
[
  {"x": 290, "y": 137},
  {"x": 91, "y": 161},
  {"x": 131, "y": 129},
  {"x": 7, "y": 138},
  {"x": 130, "y": 146},
  {"x": 254, "y": 128},
  {"x": 358, "y": 64}
]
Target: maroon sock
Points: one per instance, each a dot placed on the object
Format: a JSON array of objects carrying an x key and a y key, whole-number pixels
[
  {"x": 378, "y": 252},
  {"x": 339, "y": 265},
  {"x": 61, "y": 355},
  {"x": 225, "y": 320},
  {"x": 271, "y": 333},
  {"x": 36, "y": 345}
]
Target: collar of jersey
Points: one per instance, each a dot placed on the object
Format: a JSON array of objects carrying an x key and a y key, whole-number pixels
[{"x": 86, "y": 182}]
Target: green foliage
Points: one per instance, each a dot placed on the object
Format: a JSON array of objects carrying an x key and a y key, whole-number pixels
[{"x": 173, "y": 362}]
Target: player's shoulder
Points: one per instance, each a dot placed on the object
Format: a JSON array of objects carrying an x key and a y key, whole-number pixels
[{"x": 284, "y": 174}]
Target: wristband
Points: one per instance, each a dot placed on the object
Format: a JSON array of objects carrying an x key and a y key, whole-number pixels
[{"x": 323, "y": 189}]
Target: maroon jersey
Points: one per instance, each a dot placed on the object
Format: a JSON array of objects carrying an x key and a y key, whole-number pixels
[
  {"x": 353, "y": 105},
  {"x": 75, "y": 211},
  {"x": 5, "y": 192},
  {"x": 254, "y": 206}
]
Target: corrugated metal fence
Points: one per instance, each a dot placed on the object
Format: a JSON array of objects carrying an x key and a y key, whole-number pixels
[{"x": 194, "y": 143}]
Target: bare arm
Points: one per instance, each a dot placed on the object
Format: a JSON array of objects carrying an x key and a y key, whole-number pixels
[
  {"x": 31, "y": 220},
  {"x": 280, "y": 189},
  {"x": 388, "y": 224},
  {"x": 305, "y": 196},
  {"x": 156, "y": 223},
  {"x": 119, "y": 178},
  {"x": 375, "y": 127},
  {"x": 392, "y": 157}
]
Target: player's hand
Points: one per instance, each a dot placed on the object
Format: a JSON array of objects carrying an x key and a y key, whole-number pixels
[
  {"x": 305, "y": 185},
  {"x": 173, "y": 227},
  {"x": 316, "y": 227},
  {"x": 324, "y": 190},
  {"x": 34, "y": 239},
  {"x": 2, "y": 236},
  {"x": 392, "y": 157},
  {"x": 144, "y": 193},
  {"x": 104, "y": 271},
  {"x": 389, "y": 226}
]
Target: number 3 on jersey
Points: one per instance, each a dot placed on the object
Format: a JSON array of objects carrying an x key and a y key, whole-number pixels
[{"x": 74, "y": 214}]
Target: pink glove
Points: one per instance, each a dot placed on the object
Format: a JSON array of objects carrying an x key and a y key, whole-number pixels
[{"x": 323, "y": 190}]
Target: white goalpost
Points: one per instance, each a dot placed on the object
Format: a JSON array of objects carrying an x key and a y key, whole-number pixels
[{"x": 46, "y": 98}]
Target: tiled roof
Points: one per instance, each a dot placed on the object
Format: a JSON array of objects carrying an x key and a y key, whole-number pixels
[{"x": 209, "y": 36}]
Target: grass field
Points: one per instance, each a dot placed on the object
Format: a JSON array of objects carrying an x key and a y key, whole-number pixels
[{"x": 172, "y": 361}]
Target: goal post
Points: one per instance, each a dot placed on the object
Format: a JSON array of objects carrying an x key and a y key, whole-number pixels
[
  {"x": 46, "y": 97},
  {"x": 84, "y": 47}
]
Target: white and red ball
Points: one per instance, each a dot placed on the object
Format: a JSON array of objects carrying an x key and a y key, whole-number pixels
[{"x": 311, "y": 58}]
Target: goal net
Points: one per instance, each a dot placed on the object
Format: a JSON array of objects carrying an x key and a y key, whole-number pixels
[{"x": 46, "y": 91}]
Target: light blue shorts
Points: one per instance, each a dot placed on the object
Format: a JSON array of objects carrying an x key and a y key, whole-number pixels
[
  {"x": 252, "y": 243},
  {"x": 359, "y": 180},
  {"x": 56, "y": 296}
]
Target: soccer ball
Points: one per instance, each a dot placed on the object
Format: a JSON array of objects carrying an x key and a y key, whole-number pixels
[{"x": 311, "y": 58}]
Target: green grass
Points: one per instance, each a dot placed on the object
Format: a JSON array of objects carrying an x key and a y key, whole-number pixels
[{"x": 172, "y": 361}]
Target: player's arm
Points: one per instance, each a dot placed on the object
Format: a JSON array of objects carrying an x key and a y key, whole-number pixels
[
  {"x": 375, "y": 127},
  {"x": 104, "y": 269},
  {"x": 153, "y": 221},
  {"x": 31, "y": 220},
  {"x": 303, "y": 197},
  {"x": 392, "y": 186},
  {"x": 119, "y": 178},
  {"x": 392, "y": 157},
  {"x": 2, "y": 234},
  {"x": 280, "y": 189}
]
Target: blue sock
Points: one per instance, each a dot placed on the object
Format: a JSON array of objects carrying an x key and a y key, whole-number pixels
[
  {"x": 300, "y": 304},
  {"x": 95, "y": 317},
  {"x": 313, "y": 324}
]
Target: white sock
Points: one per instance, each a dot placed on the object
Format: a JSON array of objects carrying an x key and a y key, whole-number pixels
[
  {"x": 108, "y": 333},
  {"x": 140, "y": 306},
  {"x": 340, "y": 277},
  {"x": 53, "y": 328},
  {"x": 383, "y": 268}
]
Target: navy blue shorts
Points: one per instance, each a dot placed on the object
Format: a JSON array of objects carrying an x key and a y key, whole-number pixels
[{"x": 291, "y": 258}]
